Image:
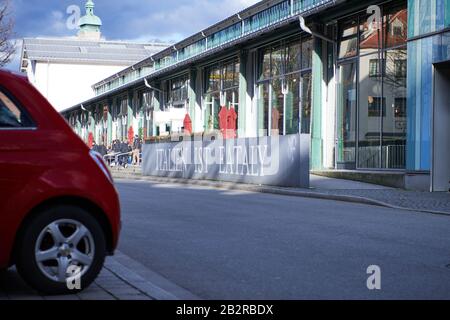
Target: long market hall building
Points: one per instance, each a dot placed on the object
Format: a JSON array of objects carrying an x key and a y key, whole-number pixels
[{"x": 369, "y": 80}]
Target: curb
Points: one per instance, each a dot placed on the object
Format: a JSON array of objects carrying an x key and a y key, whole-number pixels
[
  {"x": 144, "y": 280},
  {"x": 271, "y": 190}
]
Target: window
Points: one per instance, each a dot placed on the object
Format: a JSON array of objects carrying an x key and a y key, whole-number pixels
[
  {"x": 374, "y": 67},
  {"x": 284, "y": 88},
  {"x": 400, "y": 68},
  {"x": 400, "y": 108},
  {"x": 396, "y": 30},
  {"x": 147, "y": 100},
  {"x": 11, "y": 115},
  {"x": 122, "y": 118},
  {"x": 265, "y": 64},
  {"x": 284, "y": 58},
  {"x": 307, "y": 49},
  {"x": 124, "y": 106},
  {"x": 348, "y": 48},
  {"x": 374, "y": 106},
  {"x": 178, "y": 91},
  {"x": 221, "y": 90},
  {"x": 379, "y": 91},
  {"x": 213, "y": 77},
  {"x": 293, "y": 57},
  {"x": 349, "y": 39}
]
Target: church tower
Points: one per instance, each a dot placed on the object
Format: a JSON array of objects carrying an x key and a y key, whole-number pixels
[{"x": 90, "y": 24}]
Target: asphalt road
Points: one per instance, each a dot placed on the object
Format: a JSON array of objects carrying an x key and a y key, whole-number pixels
[{"x": 221, "y": 244}]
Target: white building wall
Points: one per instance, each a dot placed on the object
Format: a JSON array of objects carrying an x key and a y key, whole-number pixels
[{"x": 64, "y": 85}]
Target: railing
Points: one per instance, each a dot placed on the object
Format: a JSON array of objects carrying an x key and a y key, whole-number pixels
[
  {"x": 392, "y": 157},
  {"x": 110, "y": 157}
]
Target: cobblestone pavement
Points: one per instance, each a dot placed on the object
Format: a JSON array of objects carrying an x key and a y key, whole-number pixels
[
  {"x": 108, "y": 286},
  {"x": 422, "y": 201}
]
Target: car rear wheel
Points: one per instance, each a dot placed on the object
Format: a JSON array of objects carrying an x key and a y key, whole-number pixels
[{"x": 61, "y": 250}]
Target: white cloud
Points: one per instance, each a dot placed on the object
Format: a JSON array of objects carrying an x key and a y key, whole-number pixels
[
  {"x": 186, "y": 19},
  {"x": 58, "y": 22}
]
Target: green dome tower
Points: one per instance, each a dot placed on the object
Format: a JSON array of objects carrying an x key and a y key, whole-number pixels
[{"x": 90, "y": 24}]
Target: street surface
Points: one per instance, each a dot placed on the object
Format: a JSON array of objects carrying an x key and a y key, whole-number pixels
[{"x": 221, "y": 244}]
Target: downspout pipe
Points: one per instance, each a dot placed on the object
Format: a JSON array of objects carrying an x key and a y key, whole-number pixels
[
  {"x": 150, "y": 87},
  {"x": 308, "y": 30}
]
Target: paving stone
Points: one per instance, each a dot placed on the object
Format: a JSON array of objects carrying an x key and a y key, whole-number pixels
[
  {"x": 118, "y": 292},
  {"x": 107, "y": 287},
  {"x": 96, "y": 296},
  {"x": 134, "y": 297},
  {"x": 414, "y": 200},
  {"x": 25, "y": 297},
  {"x": 62, "y": 297}
]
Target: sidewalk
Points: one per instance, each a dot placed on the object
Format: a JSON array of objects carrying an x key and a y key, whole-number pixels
[
  {"x": 122, "y": 278},
  {"x": 325, "y": 188},
  {"x": 108, "y": 286}
]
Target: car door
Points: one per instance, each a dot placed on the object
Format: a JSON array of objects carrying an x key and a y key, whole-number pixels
[{"x": 18, "y": 148}]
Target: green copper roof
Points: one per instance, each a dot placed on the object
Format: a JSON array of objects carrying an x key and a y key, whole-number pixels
[{"x": 90, "y": 20}]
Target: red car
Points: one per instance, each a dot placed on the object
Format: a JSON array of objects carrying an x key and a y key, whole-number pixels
[{"x": 59, "y": 209}]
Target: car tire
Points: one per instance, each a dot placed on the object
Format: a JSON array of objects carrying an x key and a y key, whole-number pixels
[{"x": 61, "y": 250}]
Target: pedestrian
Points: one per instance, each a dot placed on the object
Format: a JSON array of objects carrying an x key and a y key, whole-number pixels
[
  {"x": 124, "y": 153},
  {"x": 116, "y": 151},
  {"x": 137, "y": 145}
]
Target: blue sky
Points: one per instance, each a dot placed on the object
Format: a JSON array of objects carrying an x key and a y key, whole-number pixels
[{"x": 133, "y": 20}]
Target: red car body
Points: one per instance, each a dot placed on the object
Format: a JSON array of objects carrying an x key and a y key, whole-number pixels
[{"x": 47, "y": 164}]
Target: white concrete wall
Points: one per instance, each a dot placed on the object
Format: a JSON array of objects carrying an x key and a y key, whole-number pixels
[
  {"x": 65, "y": 85},
  {"x": 172, "y": 116}
]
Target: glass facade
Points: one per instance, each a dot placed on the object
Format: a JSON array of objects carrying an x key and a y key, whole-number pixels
[
  {"x": 367, "y": 101},
  {"x": 371, "y": 110},
  {"x": 284, "y": 85}
]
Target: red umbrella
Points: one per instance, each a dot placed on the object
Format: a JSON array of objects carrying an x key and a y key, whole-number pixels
[
  {"x": 90, "y": 140},
  {"x": 130, "y": 135},
  {"x": 187, "y": 123}
]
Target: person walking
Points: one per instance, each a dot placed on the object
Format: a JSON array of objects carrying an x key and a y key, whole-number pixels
[
  {"x": 137, "y": 146},
  {"x": 125, "y": 151}
]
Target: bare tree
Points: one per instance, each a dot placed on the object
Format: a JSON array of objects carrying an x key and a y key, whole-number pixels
[{"x": 7, "y": 46}]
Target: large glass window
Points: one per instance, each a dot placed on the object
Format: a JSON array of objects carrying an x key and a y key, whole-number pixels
[
  {"x": 394, "y": 119},
  {"x": 349, "y": 39},
  {"x": 292, "y": 103},
  {"x": 284, "y": 88},
  {"x": 178, "y": 92},
  {"x": 221, "y": 91},
  {"x": 306, "y": 100},
  {"x": 372, "y": 92},
  {"x": 263, "y": 108},
  {"x": 148, "y": 100},
  {"x": 346, "y": 116},
  {"x": 370, "y": 109},
  {"x": 122, "y": 118}
]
